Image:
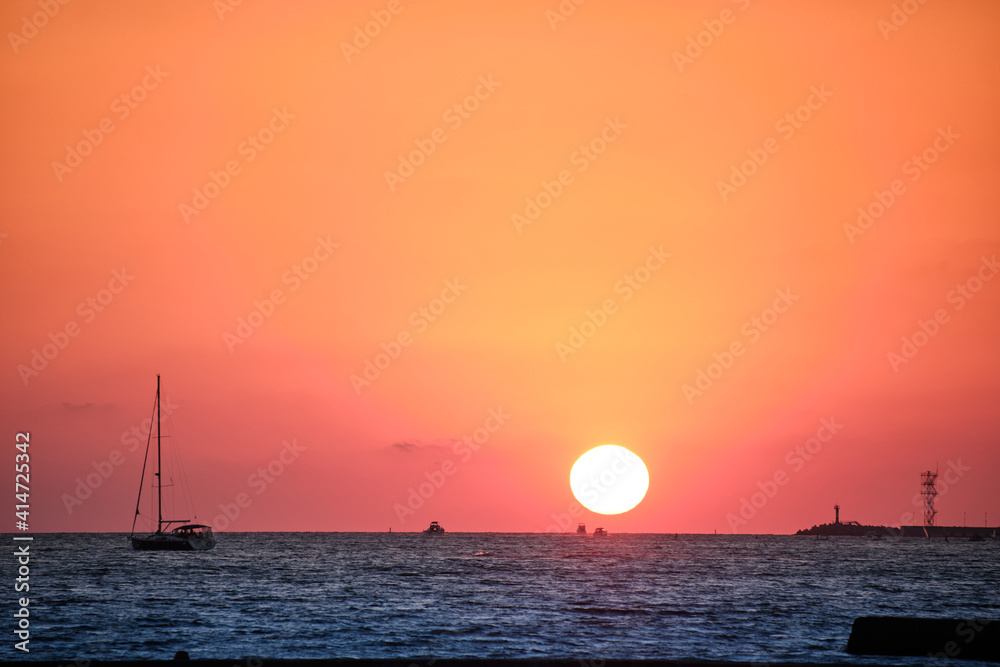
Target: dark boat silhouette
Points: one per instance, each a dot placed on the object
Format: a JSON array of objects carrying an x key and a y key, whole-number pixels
[{"x": 434, "y": 529}]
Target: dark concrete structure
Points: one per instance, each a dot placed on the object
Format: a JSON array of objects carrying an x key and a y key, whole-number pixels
[
  {"x": 967, "y": 639},
  {"x": 948, "y": 531}
]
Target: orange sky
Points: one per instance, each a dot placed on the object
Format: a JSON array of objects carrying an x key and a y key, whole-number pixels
[{"x": 260, "y": 201}]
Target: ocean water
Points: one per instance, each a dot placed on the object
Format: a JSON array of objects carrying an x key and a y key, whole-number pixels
[{"x": 368, "y": 595}]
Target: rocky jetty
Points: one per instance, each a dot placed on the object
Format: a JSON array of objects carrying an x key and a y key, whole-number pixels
[{"x": 850, "y": 528}]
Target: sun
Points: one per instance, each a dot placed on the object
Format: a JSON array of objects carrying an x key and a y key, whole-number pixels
[{"x": 609, "y": 479}]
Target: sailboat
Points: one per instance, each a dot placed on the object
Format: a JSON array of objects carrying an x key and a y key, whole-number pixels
[{"x": 186, "y": 537}]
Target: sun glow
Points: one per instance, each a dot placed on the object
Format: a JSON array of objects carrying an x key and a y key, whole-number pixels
[{"x": 609, "y": 479}]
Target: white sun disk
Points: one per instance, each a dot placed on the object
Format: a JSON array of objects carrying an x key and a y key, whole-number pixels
[{"x": 609, "y": 479}]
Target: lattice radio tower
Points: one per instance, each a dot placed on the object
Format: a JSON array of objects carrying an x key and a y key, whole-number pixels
[{"x": 929, "y": 491}]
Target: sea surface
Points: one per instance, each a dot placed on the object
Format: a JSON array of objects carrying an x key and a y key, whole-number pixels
[{"x": 369, "y": 595}]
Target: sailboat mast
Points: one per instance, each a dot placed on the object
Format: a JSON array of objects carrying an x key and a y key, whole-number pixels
[{"x": 159, "y": 470}]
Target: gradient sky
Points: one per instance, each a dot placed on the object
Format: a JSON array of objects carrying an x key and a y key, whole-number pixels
[{"x": 117, "y": 115}]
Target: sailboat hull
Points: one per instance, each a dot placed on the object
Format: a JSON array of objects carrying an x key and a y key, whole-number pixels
[{"x": 168, "y": 542}]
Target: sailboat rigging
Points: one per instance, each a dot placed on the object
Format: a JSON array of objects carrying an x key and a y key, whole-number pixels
[{"x": 187, "y": 537}]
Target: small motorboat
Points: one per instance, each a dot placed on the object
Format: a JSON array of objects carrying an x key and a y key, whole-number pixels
[
  {"x": 434, "y": 529},
  {"x": 976, "y": 537},
  {"x": 600, "y": 532},
  {"x": 581, "y": 529}
]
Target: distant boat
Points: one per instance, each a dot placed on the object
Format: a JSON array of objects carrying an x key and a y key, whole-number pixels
[
  {"x": 187, "y": 537},
  {"x": 581, "y": 529},
  {"x": 600, "y": 532},
  {"x": 434, "y": 529}
]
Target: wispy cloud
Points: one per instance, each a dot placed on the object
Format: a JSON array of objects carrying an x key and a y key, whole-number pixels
[
  {"x": 66, "y": 405},
  {"x": 411, "y": 447}
]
